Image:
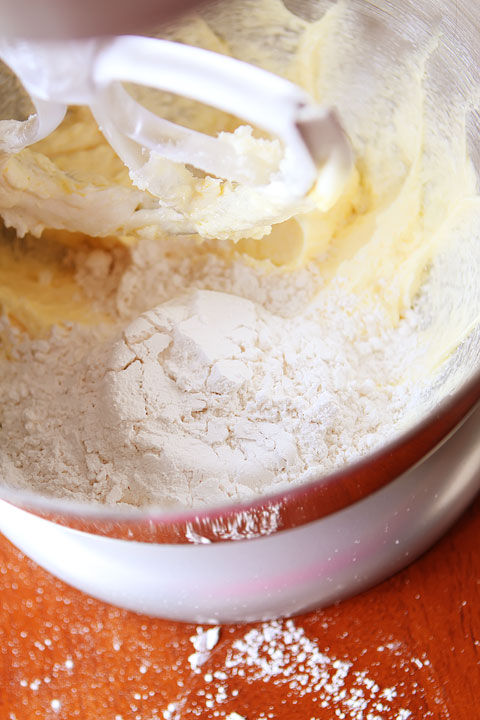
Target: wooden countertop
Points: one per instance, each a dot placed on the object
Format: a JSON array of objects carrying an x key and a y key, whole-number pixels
[{"x": 409, "y": 648}]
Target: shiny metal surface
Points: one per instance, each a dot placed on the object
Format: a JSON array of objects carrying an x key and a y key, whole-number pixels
[
  {"x": 55, "y": 19},
  {"x": 341, "y": 533}
]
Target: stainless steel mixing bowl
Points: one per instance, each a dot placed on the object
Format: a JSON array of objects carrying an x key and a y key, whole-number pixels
[{"x": 339, "y": 534}]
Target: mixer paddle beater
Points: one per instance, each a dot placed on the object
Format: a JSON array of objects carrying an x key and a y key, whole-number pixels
[{"x": 314, "y": 152}]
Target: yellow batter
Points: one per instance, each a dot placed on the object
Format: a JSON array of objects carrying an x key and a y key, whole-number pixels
[{"x": 376, "y": 241}]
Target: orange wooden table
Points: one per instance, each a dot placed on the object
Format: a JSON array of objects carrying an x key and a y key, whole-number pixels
[{"x": 409, "y": 648}]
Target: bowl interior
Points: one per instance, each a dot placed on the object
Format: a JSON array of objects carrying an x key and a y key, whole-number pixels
[{"x": 433, "y": 47}]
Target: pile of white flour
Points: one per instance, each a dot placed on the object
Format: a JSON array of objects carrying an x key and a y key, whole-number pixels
[{"x": 236, "y": 383}]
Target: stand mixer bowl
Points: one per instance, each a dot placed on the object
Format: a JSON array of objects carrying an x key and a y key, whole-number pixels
[{"x": 322, "y": 541}]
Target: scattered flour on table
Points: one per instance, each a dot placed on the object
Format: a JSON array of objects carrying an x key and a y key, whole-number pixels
[
  {"x": 203, "y": 642},
  {"x": 280, "y": 655},
  {"x": 234, "y": 383}
]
